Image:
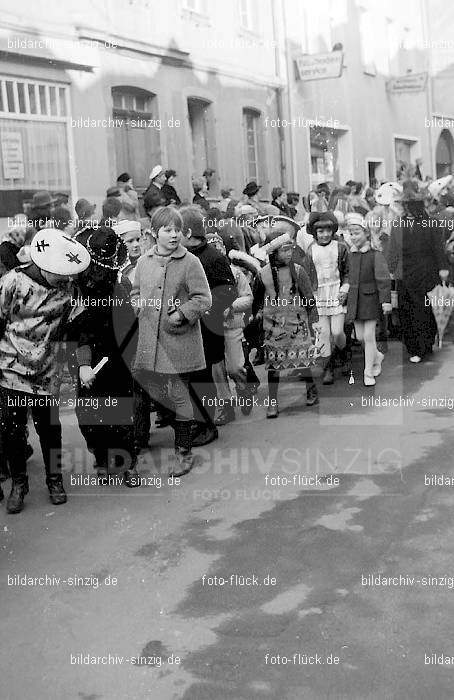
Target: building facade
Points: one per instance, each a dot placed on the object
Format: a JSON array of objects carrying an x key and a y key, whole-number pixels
[{"x": 194, "y": 84}]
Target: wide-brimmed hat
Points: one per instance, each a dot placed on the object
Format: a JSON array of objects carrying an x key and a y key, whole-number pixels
[
  {"x": 42, "y": 199},
  {"x": 126, "y": 226},
  {"x": 321, "y": 218},
  {"x": 53, "y": 251},
  {"x": 157, "y": 170},
  {"x": 251, "y": 188},
  {"x": 105, "y": 247}
]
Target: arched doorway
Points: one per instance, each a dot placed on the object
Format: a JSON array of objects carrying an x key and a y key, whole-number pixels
[
  {"x": 444, "y": 155},
  {"x": 136, "y": 132}
]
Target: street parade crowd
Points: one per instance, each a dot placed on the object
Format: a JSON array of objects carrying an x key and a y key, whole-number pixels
[{"x": 166, "y": 307}]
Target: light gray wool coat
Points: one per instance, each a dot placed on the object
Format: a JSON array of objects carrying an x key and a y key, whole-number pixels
[{"x": 161, "y": 284}]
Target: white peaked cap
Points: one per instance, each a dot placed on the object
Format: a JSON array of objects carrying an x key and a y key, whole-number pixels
[
  {"x": 157, "y": 170},
  {"x": 437, "y": 186},
  {"x": 388, "y": 193},
  {"x": 125, "y": 226},
  {"x": 53, "y": 251}
]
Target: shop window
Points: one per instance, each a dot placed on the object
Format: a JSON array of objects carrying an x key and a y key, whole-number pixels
[{"x": 34, "y": 150}]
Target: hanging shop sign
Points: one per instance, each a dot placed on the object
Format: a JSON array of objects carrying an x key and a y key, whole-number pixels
[
  {"x": 320, "y": 66},
  {"x": 413, "y": 82},
  {"x": 12, "y": 156}
]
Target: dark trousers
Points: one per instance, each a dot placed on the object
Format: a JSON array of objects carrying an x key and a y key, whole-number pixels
[
  {"x": 416, "y": 319},
  {"x": 13, "y": 427},
  {"x": 108, "y": 430},
  {"x": 142, "y": 420},
  {"x": 202, "y": 390}
]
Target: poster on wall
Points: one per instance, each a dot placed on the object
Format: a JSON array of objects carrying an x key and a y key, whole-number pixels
[{"x": 12, "y": 155}]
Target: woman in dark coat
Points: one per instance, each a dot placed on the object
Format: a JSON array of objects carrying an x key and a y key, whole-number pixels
[
  {"x": 102, "y": 324},
  {"x": 370, "y": 288},
  {"x": 417, "y": 260}
]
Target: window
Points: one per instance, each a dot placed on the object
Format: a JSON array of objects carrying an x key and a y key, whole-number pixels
[
  {"x": 318, "y": 27},
  {"x": 198, "y": 7},
  {"x": 136, "y": 133},
  {"x": 404, "y": 150},
  {"x": 250, "y": 125},
  {"x": 34, "y": 151},
  {"x": 247, "y": 15},
  {"x": 199, "y": 114}
]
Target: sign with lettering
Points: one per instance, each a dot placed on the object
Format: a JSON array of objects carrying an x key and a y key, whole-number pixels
[
  {"x": 12, "y": 156},
  {"x": 413, "y": 82},
  {"x": 320, "y": 66}
]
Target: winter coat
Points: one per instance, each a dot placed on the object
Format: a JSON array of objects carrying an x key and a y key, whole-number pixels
[
  {"x": 370, "y": 284},
  {"x": 160, "y": 285},
  {"x": 8, "y": 256},
  {"x": 31, "y": 314},
  {"x": 153, "y": 197},
  {"x": 170, "y": 194},
  {"x": 415, "y": 254},
  {"x": 201, "y": 201},
  {"x": 223, "y": 290}
]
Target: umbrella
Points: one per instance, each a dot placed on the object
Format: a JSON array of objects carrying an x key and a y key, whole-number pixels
[{"x": 441, "y": 300}]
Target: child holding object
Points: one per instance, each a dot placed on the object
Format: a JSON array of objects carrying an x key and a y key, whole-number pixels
[
  {"x": 370, "y": 287},
  {"x": 102, "y": 324},
  {"x": 34, "y": 300}
]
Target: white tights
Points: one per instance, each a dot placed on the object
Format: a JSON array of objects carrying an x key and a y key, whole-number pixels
[
  {"x": 365, "y": 332},
  {"x": 332, "y": 326}
]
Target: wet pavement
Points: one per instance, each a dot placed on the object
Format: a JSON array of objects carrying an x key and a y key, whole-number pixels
[{"x": 257, "y": 575}]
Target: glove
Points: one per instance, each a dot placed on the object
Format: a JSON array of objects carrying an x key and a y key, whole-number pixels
[{"x": 387, "y": 307}]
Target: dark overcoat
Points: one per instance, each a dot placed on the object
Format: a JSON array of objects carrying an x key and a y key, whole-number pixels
[{"x": 370, "y": 285}]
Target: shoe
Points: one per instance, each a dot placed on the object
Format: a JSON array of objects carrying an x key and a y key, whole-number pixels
[
  {"x": 376, "y": 367},
  {"x": 415, "y": 359},
  {"x": 226, "y": 415},
  {"x": 19, "y": 490},
  {"x": 311, "y": 394},
  {"x": 369, "y": 380},
  {"x": 272, "y": 411},
  {"x": 203, "y": 435},
  {"x": 56, "y": 491},
  {"x": 132, "y": 478}
]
